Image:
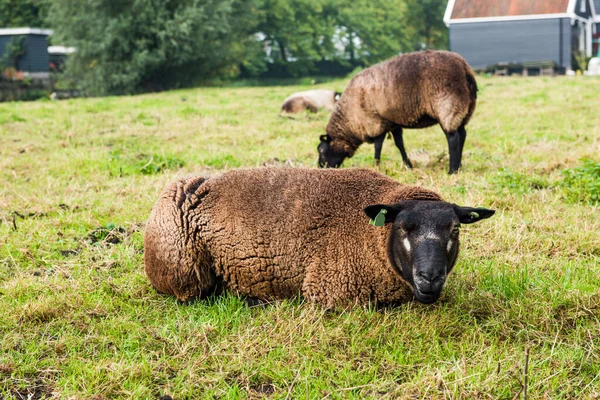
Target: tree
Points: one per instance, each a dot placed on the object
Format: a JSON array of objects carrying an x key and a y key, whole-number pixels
[
  {"x": 298, "y": 34},
  {"x": 13, "y": 51},
  {"x": 426, "y": 25},
  {"x": 373, "y": 30},
  {"x": 133, "y": 45},
  {"x": 23, "y": 13}
]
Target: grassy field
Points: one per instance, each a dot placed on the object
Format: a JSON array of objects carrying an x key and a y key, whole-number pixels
[{"x": 78, "y": 318}]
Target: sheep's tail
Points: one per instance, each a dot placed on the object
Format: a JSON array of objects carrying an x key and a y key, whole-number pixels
[
  {"x": 176, "y": 261},
  {"x": 472, "y": 83},
  {"x": 473, "y": 89}
]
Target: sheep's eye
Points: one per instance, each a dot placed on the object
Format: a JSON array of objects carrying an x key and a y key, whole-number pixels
[{"x": 456, "y": 230}]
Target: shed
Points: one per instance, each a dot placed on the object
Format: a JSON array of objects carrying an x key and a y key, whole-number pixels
[
  {"x": 58, "y": 55},
  {"x": 523, "y": 32},
  {"x": 35, "y": 61}
]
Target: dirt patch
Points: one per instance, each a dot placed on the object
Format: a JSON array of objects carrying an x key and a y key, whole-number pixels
[
  {"x": 34, "y": 391},
  {"x": 261, "y": 390},
  {"x": 13, "y": 216},
  {"x": 41, "y": 313},
  {"x": 25, "y": 215},
  {"x": 256, "y": 387},
  {"x": 68, "y": 253},
  {"x": 109, "y": 234}
]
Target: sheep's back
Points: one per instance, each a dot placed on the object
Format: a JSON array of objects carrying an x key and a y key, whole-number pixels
[
  {"x": 319, "y": 98},
  {"x": 413, "y": 90}
]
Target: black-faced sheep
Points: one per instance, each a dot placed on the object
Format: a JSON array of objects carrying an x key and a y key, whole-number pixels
[
  {"x": 274, "y": 233},
  {"x": 411, "y": 91},
  {"x": 311, "y": 100}
]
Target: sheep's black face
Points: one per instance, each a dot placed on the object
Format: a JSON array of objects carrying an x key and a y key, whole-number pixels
[
  {"x": 328, "y": 157},
  {"x": 424, "y": 240}
]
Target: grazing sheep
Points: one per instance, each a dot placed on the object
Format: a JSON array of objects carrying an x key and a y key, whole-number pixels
[
  {"x": 274, "y": 233},
  {"x": 411, "y": 91},
  {"x": 311, "y": 100}
]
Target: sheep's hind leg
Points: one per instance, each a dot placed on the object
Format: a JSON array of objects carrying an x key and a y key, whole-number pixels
[
  {"x": 463, "y": 137},
  {"x": 399, "y": 141},
  {"x": 454, "y": 146},
  {"x": 378, "y": 142}
]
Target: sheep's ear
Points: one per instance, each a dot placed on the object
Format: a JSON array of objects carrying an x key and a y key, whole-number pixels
[
  {"x": 325, "y": 138},
  {"x": 381, "y": 214},
  {"x": 469, "y": 215}
]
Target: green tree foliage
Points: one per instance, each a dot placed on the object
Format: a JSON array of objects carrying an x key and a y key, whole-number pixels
[
  {"x": 13, "y": 51},
  {"x": 426, "y": 28},
  {"x": 23, "y": 13},
  {"x": 133, "y": 45},
  {"x": 302, "y": 32},
  {"x": 372, "y": 30},
  {"x": 297, "y": 33}
]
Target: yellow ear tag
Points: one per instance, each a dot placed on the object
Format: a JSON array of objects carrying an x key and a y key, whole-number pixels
[{"x": 380, "y": 218}]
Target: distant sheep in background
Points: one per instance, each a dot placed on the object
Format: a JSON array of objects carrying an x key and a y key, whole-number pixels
[
  {"x": 411, "y": 91},
  {"x": 311, "y": 100},
  {"x": 275, "y": 233}
]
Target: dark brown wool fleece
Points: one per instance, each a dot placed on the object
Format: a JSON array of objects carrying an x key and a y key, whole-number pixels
[
  {"x": 414, "y": 90},
  {"x": 274, "y": 233}
]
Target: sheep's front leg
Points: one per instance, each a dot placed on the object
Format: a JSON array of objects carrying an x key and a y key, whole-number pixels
[
  {"x": 454, "y": 146},
  {"x": 378, "y": 142},
  {"x": 397, "y": 134}
]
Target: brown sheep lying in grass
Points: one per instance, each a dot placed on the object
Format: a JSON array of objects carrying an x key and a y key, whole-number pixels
[
  {"x": 411, "y": 91},
  {"x": 311, "y": 100},
  {"x": 274, "y": 233}
]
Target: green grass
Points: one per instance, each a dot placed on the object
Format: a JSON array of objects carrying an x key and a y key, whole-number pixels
[{"x": 79, "y": 319}]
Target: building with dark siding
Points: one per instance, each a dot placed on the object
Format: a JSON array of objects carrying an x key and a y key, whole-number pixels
[
  {"x": 596, "y": 33},
  {"x": 488, "y": 33},
  {"x": 35, "y": 62}
]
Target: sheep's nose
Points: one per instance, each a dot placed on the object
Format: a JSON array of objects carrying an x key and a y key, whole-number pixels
[
  {"x": 428, "y": 277},
  {"x": 430, "y": 281}
]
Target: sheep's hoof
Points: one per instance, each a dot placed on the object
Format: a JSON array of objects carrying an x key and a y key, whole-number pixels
[
  {"x": 187, "y": 300},
  {"x": 256, "y": 302}
]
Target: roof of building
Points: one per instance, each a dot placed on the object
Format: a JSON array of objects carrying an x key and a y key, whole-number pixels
[
  {"x": 61, "y": 50},
  {"x": 464, "y": 11},
  {"x": 495, "y": 8},
  {"x": 25, "y": 31}
]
